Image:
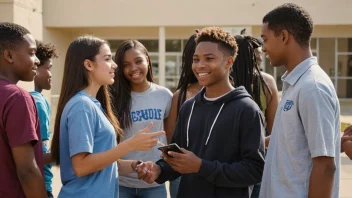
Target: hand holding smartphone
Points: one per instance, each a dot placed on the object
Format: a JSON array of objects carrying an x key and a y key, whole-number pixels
[{"x": 171, "y": 147}]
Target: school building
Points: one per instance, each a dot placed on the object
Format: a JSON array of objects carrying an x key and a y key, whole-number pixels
[{"x": 164, "y": 26}]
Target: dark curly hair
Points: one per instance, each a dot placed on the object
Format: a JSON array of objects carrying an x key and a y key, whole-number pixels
[
  {"x": 292, "y": 18},
  {"x": 45, "y": 52},
  {"x": 11, "y": 35},
  {"x": 218, "y": 35}
]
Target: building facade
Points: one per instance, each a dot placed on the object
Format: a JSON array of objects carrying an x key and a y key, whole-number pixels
[{"x": 164, "y": 27}]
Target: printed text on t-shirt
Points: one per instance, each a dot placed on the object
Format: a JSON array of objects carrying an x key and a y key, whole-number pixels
[{"x": 146, "y": 114}]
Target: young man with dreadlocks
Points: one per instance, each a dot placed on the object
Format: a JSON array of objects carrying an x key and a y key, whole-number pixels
[
  {"x": 262, "y": 88},
  {"x": 220, "y": 130},
  {"x": 303, "y": 158}
]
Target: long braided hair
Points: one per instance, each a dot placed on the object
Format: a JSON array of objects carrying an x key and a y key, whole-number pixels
[
  {"x": 187, "y": 77},
  {"x": 245, "y": 70}
]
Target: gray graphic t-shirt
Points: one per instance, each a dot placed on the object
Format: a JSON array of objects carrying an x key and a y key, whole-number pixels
[{"x": 152, "y": 105}]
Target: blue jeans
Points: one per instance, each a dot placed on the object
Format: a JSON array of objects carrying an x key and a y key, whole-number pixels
[
  {"x": 154, "y": 192},
  {"x": 256, "y": 190},
  {"x": 174, "y": 184},
  {"x": 50, "y": 195}
]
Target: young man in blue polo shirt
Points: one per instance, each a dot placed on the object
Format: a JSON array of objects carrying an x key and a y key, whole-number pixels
[{"x": 303, "y": 158}]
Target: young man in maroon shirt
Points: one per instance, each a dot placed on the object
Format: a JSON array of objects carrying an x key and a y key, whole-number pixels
[{"x": 21, "y": 154}]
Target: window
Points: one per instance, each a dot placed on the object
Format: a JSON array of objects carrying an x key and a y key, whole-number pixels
[
  {"x": 327, "y": 55},
  {"x": 344, "y": 88},
  {"x": 151, "y": 45},
  {"x": 154, "y": 58},
  {"x": 173, "y": 46},
  {"x": 172, "y": 70},
  {"x": 344, "y": 67}
]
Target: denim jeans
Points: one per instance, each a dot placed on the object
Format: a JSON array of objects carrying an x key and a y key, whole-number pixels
[
  {"x": 256, "y": 190},
  {"x": 154, "y": 192},
  {"x": 174, "y": 184},
  {"x": 50, "y": 195}
]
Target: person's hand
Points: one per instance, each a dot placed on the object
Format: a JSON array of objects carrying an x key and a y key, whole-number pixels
[
  {"x": 184, "y": 163},
  {"x": 267, "y": 141},
  {"x": 148, "y": 171},
  {"x": 345, "y": 139},
  {"x": 346, "y": 145},
  {"x": 348, "y": 131},
  {"x": 143, "y": 141}
]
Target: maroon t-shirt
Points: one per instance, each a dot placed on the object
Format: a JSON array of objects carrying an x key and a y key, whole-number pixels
[{"x": 19, "y": 124}]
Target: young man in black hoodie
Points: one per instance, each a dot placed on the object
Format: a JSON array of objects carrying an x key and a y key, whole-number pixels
[{"x": 220, "y": 130}]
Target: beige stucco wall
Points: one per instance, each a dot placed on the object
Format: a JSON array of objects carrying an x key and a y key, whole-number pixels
[
  {"x": 108, "y": 13},
  {"x": 320, "y": 31},
  {"x": 29, "y": 14},
  {"x": 61, "y": 40},
  {"x": 6, "y": 10}
]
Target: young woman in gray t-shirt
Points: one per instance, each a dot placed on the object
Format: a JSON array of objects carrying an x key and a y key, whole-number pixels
[{"x": 139, "y": 102}]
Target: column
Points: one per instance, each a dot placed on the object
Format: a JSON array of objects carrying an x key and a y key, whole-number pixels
[{"x": 161, "y": 74}]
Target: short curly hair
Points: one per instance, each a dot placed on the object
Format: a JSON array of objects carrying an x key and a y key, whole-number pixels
[
  {"x": 218, "y": 35},
  {"x": 45, "y": 52},
  {"x": 11, "y": 35},
  {"x": 293, "y": 18}
]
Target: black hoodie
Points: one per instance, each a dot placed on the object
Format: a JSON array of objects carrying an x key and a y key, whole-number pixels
[{"x": 228, "y": 135}]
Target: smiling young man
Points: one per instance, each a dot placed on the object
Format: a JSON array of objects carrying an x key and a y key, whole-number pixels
[
  {"x": 21, "y": 154},
  {"x": 303, "y": 158},
  {"x": 42, "y": 81},
  {"x": 220, "y": 130}
]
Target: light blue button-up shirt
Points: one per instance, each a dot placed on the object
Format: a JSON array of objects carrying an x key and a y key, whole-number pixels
[{"x": 306, "y": 125}]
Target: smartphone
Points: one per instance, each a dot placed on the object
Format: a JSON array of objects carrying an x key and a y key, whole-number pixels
[{"x": 171, "y": 147}]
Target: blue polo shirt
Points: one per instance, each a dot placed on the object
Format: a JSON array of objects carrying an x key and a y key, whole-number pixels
[
  {"x": 306, "y": 125},
  {"x": 84, "y": 128}
]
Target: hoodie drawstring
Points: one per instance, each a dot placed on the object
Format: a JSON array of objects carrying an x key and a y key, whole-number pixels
[
  {"x": 211, "y": 129},
  {"x": 212, "y": 126},
  {"x": 189, "y": 120}
]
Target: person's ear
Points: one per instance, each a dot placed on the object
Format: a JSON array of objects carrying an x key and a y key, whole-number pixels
[
  {"x": 8, "y": 55},
  {"x": 88, "y": 65},
  {"x": 285, "y": 36},
  {"x": 229, "y": 62}
]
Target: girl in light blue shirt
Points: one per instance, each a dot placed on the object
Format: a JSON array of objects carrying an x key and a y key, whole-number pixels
[{"x": 86, "y": 143}]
